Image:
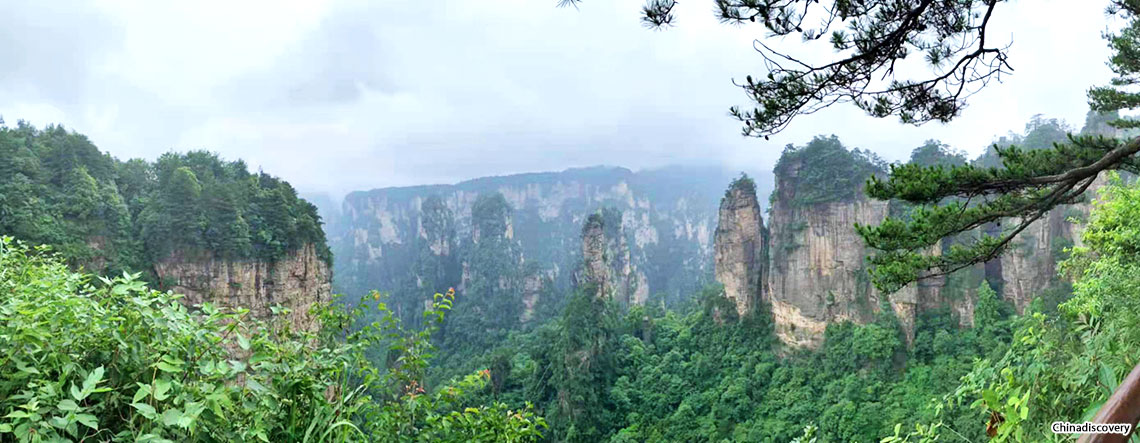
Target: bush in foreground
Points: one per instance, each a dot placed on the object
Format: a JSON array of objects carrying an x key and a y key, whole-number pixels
[{"x": 114, "y": 360}]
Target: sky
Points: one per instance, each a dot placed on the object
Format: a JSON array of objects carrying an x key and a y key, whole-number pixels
[{"x": 354, "y": 95}]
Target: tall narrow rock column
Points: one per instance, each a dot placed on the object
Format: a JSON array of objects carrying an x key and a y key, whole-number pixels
[
  {"x": 606, "y": 260},
  {"x": 740, "y": 247},
  {"x": 595, "y": 269}
]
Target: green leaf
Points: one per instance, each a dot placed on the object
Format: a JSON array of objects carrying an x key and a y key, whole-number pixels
[
  {"x": 146, "y": 410},
  {"x": 119, "y": 290},
  {"x": 243, "y": 342},
  {"x": 59, "y": 422},
  {"x": 167, "y": 367},
  {"x": 990, "y": 398},
  {"x": 152, "y": 438},
  {"x": 1108, "y": 378},
  {"x": 67, "y": 405},
  {"x": 173, "y": 360},
  {"x": 171, "y": 417},
  {"x": 161, "y": 389},
  {"x": 255, "y": 386},
  {"x": 143, "y": 392},
  {"x": 88, "y": 420},
  {"x": 76, "y": 394},
  {"x": 93, "y": 378},
  {"x": 26, "y": 369}
]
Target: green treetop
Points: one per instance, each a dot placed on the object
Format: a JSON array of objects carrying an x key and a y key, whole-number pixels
[
  {"x": 824, "y": 171},
  {"x": 57, "y": 188}
]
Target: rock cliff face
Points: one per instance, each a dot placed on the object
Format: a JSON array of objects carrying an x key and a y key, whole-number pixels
[
  {"x": 1029, "y": 267},
  {"x": 741, "y": 248},
  {"x": 294, "y": 282},
  {"x": 817, "y": 274},
  {"x": 816, "y": 267},
  {"x": 606, "y": 260},
  {"x": 664, "y": 232}
]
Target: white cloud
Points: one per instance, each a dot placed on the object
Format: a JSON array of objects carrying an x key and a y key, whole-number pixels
[{"x": 354, "y": 95}]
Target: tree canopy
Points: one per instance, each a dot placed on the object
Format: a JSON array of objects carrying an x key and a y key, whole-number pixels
[
  {"x": 824, "y": 171},
  {"x": 58, "y": 188},
  {"x": 872, "y": 40}
]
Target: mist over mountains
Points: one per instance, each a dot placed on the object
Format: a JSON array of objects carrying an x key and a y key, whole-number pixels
[{"x": 382, "y": 237}]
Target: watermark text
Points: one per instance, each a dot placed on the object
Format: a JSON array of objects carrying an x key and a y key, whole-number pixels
[{"x": 1064, "y": 427}]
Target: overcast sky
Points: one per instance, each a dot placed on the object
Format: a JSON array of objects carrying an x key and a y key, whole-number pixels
[{"x": 341, "y": 96}]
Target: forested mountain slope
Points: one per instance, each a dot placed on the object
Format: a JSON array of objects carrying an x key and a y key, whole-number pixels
[{"x": 192, "y": 222}]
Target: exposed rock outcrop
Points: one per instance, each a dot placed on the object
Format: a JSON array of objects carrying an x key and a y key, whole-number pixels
[
  {"x": 595, "y": 269},
  {"x": 296, "y": 282},
  {"x": 495, "y": 273},
  {"x": 740, "y": 244},
  {"x": 817, "y": 273},
  {"x": 667, "y": 221},
  {"x": 532, "y": 292},
  {"x": 1029, "y": 267},
  {"x": 818, "y": 276}
]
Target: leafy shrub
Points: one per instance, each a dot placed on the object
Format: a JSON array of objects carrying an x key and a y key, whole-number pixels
[
  {"x": 1062, "y": 364},
  {"x": 120, "y": 362}
]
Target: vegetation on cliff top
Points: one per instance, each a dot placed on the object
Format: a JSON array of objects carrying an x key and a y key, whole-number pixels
[
  {"x": 824, "y": 171},
  {"x": 744, "y": 184},
  {"x": 934, "y": 152},
  {"x": 57, "y": 188}
]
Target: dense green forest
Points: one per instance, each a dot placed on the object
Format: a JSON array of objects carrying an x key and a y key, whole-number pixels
[
  {"x": 604, "y": 371},
  {"x": 59, "y": 189}
]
